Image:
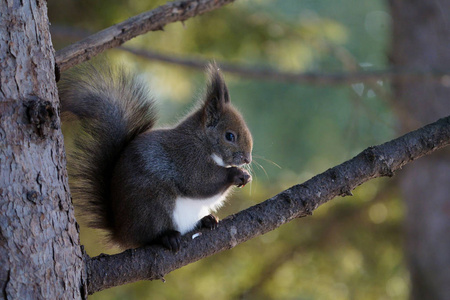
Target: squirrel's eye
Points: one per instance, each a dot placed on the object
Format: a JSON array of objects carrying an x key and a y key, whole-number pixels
[{"x": 229, "y": 136}]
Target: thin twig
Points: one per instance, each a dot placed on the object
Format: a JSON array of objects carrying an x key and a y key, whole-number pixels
[{"x": 315, "y": 78}]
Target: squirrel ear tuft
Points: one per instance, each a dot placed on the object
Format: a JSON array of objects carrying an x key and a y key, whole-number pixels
[{"x": 217, "y": 96}]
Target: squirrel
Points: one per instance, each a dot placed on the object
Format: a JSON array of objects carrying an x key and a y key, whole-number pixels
[{"x": 144, "y": 185}]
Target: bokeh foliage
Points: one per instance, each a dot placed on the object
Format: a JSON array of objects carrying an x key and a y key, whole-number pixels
[{"x": 351, "y": 248}]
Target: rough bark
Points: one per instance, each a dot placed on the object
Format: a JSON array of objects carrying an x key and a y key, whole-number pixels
[
  {"x": 421, "y": 40},
  {"x": 151, "y": 263},
  {"x": 40, "y": 255}
]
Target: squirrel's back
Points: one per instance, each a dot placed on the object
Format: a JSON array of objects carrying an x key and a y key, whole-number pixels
[{"x": 113, "y": 107}]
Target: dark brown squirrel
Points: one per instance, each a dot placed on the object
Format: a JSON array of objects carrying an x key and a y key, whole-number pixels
[{"x": 146, "y": 185}]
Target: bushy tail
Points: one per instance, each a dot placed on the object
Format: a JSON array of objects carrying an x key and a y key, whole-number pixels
[{"x": 114, "y": 107}]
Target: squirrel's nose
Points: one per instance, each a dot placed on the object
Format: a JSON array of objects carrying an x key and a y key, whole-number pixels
[{"x": 248, "y": 158}]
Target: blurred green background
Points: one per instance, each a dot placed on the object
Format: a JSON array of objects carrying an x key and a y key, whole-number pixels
[{"x": 350, "y": 248}]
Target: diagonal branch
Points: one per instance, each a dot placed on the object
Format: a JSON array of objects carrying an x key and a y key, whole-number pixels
[
  {"x": 117, "y": 34},
  {"x": 153, "y": 262}
]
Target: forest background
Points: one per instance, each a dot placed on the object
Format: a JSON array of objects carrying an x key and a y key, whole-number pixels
[{"x": 350, "y": 248}]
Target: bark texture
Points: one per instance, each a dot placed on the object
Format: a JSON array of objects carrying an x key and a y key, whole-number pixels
[
  {"x": 40, "y": 255},
  {"x": 421, "y": 40}
]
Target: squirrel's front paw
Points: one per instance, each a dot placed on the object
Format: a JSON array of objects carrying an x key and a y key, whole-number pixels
[
  {"x": 241, "y": 177},
  {"x": 209, "y": 221}
]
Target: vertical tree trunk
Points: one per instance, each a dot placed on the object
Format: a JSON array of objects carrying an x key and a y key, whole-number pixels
[
  {"x": 40, "y": 255},
  {"x": 421, "y": 40}
]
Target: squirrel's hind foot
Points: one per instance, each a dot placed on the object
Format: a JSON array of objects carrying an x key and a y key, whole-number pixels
[{"x": 171, "y": 240}]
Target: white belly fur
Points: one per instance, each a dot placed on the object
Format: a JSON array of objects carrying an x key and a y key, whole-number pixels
[{"x": 189, "y": 211}]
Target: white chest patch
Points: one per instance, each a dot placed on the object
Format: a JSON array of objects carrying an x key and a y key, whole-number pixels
[{"x": 189, "y": 211}]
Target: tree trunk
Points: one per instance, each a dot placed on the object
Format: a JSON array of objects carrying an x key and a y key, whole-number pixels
[
  {"x": 421, "y": 40},
  {"x": 40, "y": 254}
]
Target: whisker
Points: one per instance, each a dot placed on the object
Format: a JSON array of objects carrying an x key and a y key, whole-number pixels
[
  {"x": 269, "y": 161},
  {"x": 250, "y": 170},
  {"x": 262, "y": 168}
]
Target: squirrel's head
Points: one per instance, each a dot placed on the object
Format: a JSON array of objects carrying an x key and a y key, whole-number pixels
[{"x": 229, "y": 137}]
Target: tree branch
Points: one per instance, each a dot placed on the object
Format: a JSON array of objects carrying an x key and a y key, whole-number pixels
[
  {"x": 154, "y": 262},
  {"x": 117, "y": 34},
  {"x": 323, "y": 235},
  {"x": 315, "y": 78}
]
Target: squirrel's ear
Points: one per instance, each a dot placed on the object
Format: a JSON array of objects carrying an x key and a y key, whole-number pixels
[{"x": 217, "y": 96}]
